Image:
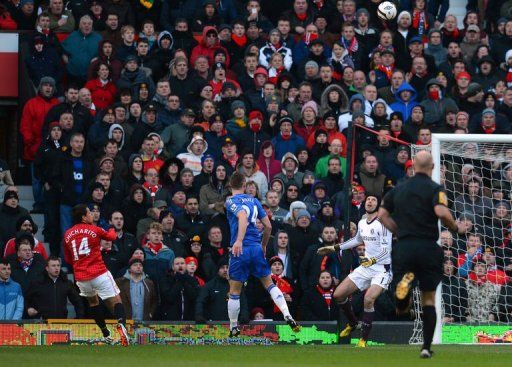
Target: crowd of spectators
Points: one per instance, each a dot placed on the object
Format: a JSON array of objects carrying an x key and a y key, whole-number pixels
[{"x": 143, "y": 109}]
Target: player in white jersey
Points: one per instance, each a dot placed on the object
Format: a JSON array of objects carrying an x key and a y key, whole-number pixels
[{"x": 374, "y": 273}]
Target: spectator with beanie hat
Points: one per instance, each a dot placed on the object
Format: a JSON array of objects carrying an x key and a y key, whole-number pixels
[
  {"x": 252, "y": 137},
  {"x": 192, "y": 265},
  {"x": 10, "y": 213},
  {"x": 31, "y": 125},
  {"x": 309, "y": 122},
  {"x": 286, "y": 140},
  {"x": 238, "y": 121},
  {"x": 25, "y": 224}
]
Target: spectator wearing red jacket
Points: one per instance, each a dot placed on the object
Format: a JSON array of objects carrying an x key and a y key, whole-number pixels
[
  {"x": 6, "y": 21},
  {"x": 103, "y": 91},
  {"x": 31, "y": 127},
  {"x": 209, "y": 44},
  {"x": 267, "y": 161}
]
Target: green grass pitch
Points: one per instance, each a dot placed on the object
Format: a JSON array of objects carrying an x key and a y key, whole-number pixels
[{"x": 257, "y": 356}]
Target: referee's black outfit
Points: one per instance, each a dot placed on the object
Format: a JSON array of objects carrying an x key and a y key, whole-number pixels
[{"x": 411, "y": 205}]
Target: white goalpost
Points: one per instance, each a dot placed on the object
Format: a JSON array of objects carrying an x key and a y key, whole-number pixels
[{"x": 474, "y": 301}]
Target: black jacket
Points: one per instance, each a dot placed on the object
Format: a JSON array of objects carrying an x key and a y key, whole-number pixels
[
  {"x": 176, "y": 241},
  {"x": 334, "y": 183},
  {"x": 8, "y": 218},
  {"x": 190, "y": 226},
  {"x": 50, "y": 298},
  {"x": 47, "y": 159},
  {"x": 178, "y": 293},
  {"x": 24, "y": 278},
  {"x": 212, "y": 302},
  {"x": 82, "y": 118},
  {"x": 64, "y": 179},
  {"x": 300, "y": 239},
  {"x": 315, "y": 308}
]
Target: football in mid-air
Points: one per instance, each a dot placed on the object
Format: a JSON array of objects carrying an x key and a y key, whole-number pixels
[{"x": 386, "y": 10}]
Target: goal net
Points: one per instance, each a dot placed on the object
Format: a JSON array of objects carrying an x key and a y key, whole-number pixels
[{"x": 476, "y": 291}]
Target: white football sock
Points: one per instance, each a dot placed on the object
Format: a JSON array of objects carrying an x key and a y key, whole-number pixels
[
  {"x": 278, "y": 298},
  {"x": 233, "y": 310}
]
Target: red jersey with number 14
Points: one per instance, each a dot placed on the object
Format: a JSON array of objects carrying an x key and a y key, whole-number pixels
[{"x": 82, "y": 249}]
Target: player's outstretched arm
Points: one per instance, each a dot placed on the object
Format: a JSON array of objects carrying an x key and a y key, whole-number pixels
[
  {"x": 386, "y": 220},
  {"x": 353, "y": 242}
]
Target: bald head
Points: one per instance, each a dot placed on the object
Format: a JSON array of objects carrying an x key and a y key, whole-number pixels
[{"x": 423, "y": 162}]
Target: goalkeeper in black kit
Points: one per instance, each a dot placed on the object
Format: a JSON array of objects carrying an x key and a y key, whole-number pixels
[{"x": 411, "y": 211}]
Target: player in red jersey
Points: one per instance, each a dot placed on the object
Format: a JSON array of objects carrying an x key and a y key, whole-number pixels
[{"x": 82, "y": 249}]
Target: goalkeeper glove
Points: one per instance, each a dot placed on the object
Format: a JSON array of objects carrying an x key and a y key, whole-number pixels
[
  {"x": 367, "y": 262},
  {"x": 326, "y": 250}
]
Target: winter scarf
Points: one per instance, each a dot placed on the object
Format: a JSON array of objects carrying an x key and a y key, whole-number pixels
[
  {"x": 351, "y": 46},
  {"x": 326, "y": 293}
]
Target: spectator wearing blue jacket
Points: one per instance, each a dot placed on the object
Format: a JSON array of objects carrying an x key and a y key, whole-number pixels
[
  {"x": 80, "y": 48},
  {"x": 286, "y": 140},
  {"x": 11, "y": 297},
  {"x": 405, "y": 100}
]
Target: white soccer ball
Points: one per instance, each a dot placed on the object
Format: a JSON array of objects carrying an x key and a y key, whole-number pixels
[{"x": 386, "y": 10}]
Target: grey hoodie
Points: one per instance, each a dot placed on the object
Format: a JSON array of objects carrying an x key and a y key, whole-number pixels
[{"x": 111, "y": 130}]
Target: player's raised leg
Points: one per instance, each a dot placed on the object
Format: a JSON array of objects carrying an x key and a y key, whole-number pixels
[
  {"x": 280, "y": 301},
  {"x": 341, "y": 295}
]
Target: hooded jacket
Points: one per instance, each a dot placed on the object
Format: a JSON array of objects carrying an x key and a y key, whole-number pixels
[
  {"x": 111, "y": 130},
  {"x": 116, "y": 66},
  {"x": 191, "y": 160},
  {"x": 273, "y": 167},
  {"x": 325, "y": 106},
  {"x": 204, "y": 50},
  {"x": 345, "y": 118},
  {"x": 436, "y": 110},
  {"x": 133, "y": 79},
  {"x": 297, "y": 176},
  {"x": 258, "y": 177},
  {"x": 161, "y": 57},
  {"x": 44, "y": 63},
  {"x": 312, "y": 202},
  {"x": 211, "y": 193},
  {"x": 404, "y": 107}
]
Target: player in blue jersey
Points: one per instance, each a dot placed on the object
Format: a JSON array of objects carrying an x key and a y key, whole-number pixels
[{"x": 248, "y": 247}]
